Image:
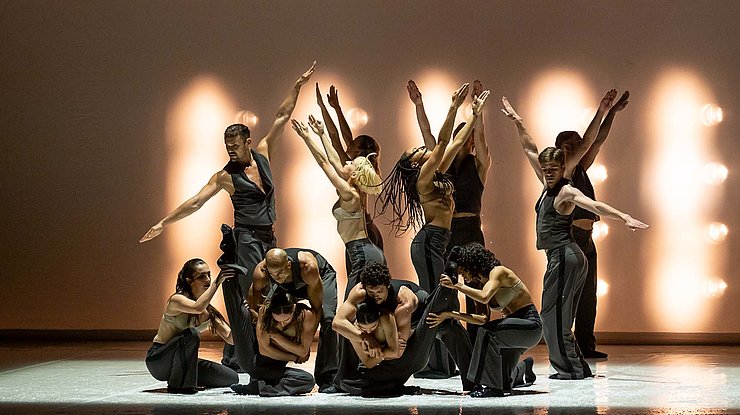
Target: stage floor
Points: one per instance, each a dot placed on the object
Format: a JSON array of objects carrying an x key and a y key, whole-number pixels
[{"x": 111, "y": 378}]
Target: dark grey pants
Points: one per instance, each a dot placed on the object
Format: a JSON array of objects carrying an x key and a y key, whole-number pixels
[
  {"x": 360, "y": 252},
  {"x": 395, "y": 373},
  {"x": 586, "y": 313},
  {"x": 274, "y": 378},
  {"x": 564, "y": 278},
  {"x": 500, "y": 344},
  {"x": 177, "y": 362}
]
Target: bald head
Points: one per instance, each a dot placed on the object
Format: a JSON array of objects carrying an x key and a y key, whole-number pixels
[{"x": 276, "y": 257}]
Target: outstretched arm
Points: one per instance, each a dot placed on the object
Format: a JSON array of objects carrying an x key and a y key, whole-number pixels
[
  {"x": 426, "y": 173},
  {"x": 574, "y": 158},
  {"x": 588, "y": 159},
  {"x": 284, "y": 112},
  {"x": 434, "y": 320},
  {"x": 333, "y": 98},
  {"x": 421, "y": 115},
  {"x": 482, "y": 153},
  {"x": 573, "y": 195},
  {"x": 344, "y": 189},
  {"x": 190, "y": 206},
  {"x": 331, "y": 155},
  {"x": 528, "y": 145},
  {"x": 462, "y": 136},
  {"x": 336, "y": 142}
]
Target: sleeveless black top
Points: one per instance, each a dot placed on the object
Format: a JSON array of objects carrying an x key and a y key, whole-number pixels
[
  {"x": 252, "y": 206},
  {"x": 553, "y": 229},
  {"x": 468, "y": 187},
  {"x": 581, "y": 182},
  {"x": 297, "y": 286},
  {"x": 391, "y": 302}
]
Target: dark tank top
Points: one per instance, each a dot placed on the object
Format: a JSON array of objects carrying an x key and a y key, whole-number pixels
[
  {"x": 468, "y": 187},
  {"x": 553, "y": 229},
  {"x": 252, "y": 206},
  {"x": 391, "y": 302},
  {"x": 581, "y": 182},
  {"x": 297, "y": 286}
]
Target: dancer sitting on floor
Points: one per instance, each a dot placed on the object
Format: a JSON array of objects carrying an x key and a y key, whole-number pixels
[
  {"x": 566, "y": 263},
  {"x": 380, "y": 326},
  {"x": 174, "y": 355},
  {"x": 409, "y": 305},
  {"x": 284, "y": 333},
  {"x": 500, "y": 343}
]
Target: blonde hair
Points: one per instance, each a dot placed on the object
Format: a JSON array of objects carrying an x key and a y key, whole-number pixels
[{"x": 368, "y": 180}]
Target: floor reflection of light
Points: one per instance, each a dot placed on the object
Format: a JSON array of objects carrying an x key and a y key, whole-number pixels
[{"x": 195, "y": 151}]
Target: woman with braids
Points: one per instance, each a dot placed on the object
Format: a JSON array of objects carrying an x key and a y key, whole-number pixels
[
  {"x": 418, "y": 193},
  {"x": 500, "y": 343},
  {"x": 174, "y": 355},
  {"x": 284, "y": 333},
  {"x": 352, "y": 180},
  {"x": 362, "y": 145}
]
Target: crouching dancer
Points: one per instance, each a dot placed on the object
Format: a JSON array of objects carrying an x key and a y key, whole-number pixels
[
  {"x": 174, "y": 355},
  {"x": 500, "y": 343},
  {"x": 390, "y": 367}
]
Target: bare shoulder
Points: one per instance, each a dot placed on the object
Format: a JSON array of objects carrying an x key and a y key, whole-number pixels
[{"x": 407, "y": 298}]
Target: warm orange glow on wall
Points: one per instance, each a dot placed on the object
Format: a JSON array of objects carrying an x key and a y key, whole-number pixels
[
  {"x": 673, "y": 187},
  {"x": 597, "y": 173},
  {"x": 195, "y": 151}
]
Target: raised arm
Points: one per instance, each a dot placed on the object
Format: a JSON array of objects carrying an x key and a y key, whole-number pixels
[
  {"x": 421, "y": 115},
  {"x": 284, "y": 112},
  {"x": 588, "y": 159},
  {"x": 331, "y": 128},
  {"x": 331, "y": 154},
  {"x": 462, "y": 136},
  {"x": 344, "y": 189},
  {"x": 528, "y": 145},
  {"x": 574, "y": 158},
  {"x": 426, "y": 173},
  {"x": 180, "y": 304},
  {"x": 482, "y": 153},
  {"x": 215, "y": 183},
  {"x": 573, "y": 195},
  {"x": 333, "y": 98}
]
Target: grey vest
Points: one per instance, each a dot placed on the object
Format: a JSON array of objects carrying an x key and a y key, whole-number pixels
[
  {"x": 252, "y": 206},
  {"x": 553, "y": 229}
]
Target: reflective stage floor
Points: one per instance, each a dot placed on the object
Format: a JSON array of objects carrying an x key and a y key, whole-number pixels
[{"x": 111, "y": 378}]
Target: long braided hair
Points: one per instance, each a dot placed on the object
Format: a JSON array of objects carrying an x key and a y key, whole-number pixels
[
  {"x": 182, "y": 286},
  {"x": 400, "y": 193}
]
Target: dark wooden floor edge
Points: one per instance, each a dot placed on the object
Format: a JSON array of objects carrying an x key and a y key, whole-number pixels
[{"x": 603, "y": 338}]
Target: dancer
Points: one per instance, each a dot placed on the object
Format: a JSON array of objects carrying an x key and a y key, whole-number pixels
[
  {"x": 381, "y": 334},
  {"x": 361, "y": 178},
  {"x": 174, "y": 354},
  {"x": 284, "y": 333},
  {"x": 248, "y": 180},
  {"x": 306, "y": 275},
  {"x": 566, "y": 264},
  {"x": 417, "y": 192},
  {"x": 409, "y": 306},
  {"x": 583, "y": 221},
  {"x": 362, "y": 145},
  {"x": 495, "y": 364}
]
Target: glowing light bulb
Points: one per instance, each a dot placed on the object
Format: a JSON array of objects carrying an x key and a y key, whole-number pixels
[
  {"x": 356, "y": 117},
  {"x": 715, "y": 173},
  {"x": 716, "y": 232},
  {"x": 711, "y": 114},
  {"x": 600, "y": 231},
  {"x": 597, "y": 173},
  {"x": 714, "y": 287},
  {"x": 602, "y": 288},
  {"x": 247, "y": 118}
]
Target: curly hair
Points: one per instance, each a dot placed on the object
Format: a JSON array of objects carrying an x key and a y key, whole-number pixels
[
  {"x": 367, "y": 178},
  {"x": 182, "y": 287},
  {"x": 474, "y": 258},
  {"x": 374, "y": 275},
  {"x": 400, "y": 194},
  {"x": 282, "y": 302}
]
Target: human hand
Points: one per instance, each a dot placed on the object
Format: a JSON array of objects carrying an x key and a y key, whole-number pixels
[
  {"x": 225, "y": 274},
  {"x": 306, "y": 75},
  {"x": 414, "y": 93},
  {"x": 608, "y": 99},
  {"x": 479, "y": 102},
  {"x": 299, "y": 128},
  {"x": 634, "y": 224},
  {"x": 458, "y": 97},
  {"x": 509, "y": 111},
  {"x": 303, "y": 359},
  {"x": 434, "y": 320},
  {"x": 319, "y": 98},
  {"x": 446, "y": 281},
  {"x": 621, "y": 102},
  {"x": 316, "y": 125},
  {"x": 152, "y": 233},
  {"x": 333, "y": 97}
]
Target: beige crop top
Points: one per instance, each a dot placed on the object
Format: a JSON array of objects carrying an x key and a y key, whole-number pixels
[{"x": 171, "y": 326}]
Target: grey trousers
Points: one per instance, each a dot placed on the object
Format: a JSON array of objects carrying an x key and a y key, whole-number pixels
[
  {"x": 500, "y": 344},
  {"x": 564, "y": 278},
  {"x": 274, "y": 378},
  {"x": 359, "y": 253},
  {"x": 395, "y": 373},
  {"x": 177, "y": 362},
  {"x": 586, "y": 313}
]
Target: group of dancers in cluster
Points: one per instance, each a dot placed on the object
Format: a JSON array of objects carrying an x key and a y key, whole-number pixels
[{"x": 387, "y": 329}]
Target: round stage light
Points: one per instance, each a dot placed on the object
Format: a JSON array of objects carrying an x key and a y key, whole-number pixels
[
  {"x": 602, "y": 288},
  {"x": 711, "y": 114},
  {"x": 716, "y": 232},
  {"x": 356, "y": 117},
  {"x": 715, "y": 173},
  {"x": 600, "y": 231},
  {"x": 714, "y": 287},
  {"x": 247, "y": 118},
  {"x": 597, "y": 173}
]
